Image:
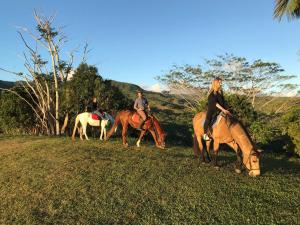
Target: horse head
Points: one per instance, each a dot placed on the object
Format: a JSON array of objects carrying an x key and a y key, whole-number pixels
[
  {"x": 251, "y": 154},
  {"x": 161, "y": 135},
  {"x": 252, "y": 163}
]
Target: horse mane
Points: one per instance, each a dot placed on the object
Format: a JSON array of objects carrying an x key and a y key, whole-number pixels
[
  {"x": 157, "y": 125},
  {"x": 234, "y": 121}
]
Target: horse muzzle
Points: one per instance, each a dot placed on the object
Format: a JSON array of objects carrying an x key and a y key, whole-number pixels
[{"x": 254, "y": 173}]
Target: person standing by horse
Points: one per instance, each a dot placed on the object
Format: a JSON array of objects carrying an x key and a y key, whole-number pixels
[
  {"x": 142, "y": 107},
  {"x": 216, "y": 104},
  {"x": 95, "y": 109}
]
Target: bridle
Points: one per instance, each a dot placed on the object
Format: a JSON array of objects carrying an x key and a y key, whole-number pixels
[{"x": 252, "y": 153}]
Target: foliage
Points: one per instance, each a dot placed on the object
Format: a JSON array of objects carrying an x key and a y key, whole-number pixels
[
  {"x": 16, "y": 117},
  {"x": 86, "y": 84},
  {"x": 290, "y": 8},
  {"x": 240, "y": 77},
  {"x": 292, "y": 127}
]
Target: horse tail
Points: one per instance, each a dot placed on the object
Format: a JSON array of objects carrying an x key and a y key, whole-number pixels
[
  {"x": 196, "y": 146},
  {"x": 75, "y": 127},
  {"x": 114, "y": 127}
]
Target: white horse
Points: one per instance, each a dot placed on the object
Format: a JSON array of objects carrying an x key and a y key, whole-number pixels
[{"x": 86, "y": 119}]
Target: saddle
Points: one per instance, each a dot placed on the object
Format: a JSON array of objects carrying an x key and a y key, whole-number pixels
[{"x": 215, "y": 121}]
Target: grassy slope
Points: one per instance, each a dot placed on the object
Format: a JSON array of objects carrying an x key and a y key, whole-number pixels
[{"x": 52, "y": 180}]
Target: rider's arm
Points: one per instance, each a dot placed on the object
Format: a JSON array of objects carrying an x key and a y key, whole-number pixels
[
  {"x": 136, "y": 105},
  {"x": 222, "y": 109},
  {"x": 147, "y": 104}
]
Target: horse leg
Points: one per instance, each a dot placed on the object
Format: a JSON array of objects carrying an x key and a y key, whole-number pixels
[
  {"x": 200, "y": 144},
  {"x": 215, "y": 153},
  {"x": 124, "y": 131},
  {"x": 154, "y": 137},
  {"x": 208, "y": 143},
  {"x": 239, "y": 161},
  {"x": 80, "y": 132},
  {"x": 101, "y": 132},
  {"x": 84, "y": 131},
  {"x": 140, "y": 138},
  {"x": 104, "y": 129}
]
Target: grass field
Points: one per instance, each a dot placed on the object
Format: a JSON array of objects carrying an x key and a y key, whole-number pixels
[{"x": 55, "y": 181}]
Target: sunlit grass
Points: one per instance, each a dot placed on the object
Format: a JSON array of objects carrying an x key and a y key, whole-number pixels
[{"x": 55, "y": 181}]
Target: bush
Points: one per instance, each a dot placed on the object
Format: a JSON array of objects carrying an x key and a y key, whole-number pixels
[
  {"x": 16, "y": 116},
  {"x": 291, "y": 127}
]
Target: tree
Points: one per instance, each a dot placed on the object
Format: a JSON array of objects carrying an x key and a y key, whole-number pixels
[
  {"x": 239, "y": 75},
  {"x": 290, "y": 8},
  {"x": 46, "y": 72}
]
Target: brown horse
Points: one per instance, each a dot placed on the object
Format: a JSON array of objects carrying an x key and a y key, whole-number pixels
[
  {"x": 127, "y": 117},
  {"x": 229, "y": 131}
]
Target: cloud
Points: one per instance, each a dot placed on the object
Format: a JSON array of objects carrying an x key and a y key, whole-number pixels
[{"x": 155, "y": 88}]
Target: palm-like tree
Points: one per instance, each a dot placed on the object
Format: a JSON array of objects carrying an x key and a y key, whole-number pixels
[{"x": 290, "y": 8}]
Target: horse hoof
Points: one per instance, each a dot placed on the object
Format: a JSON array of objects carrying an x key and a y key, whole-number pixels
[
  {"x": 125, "y": 145},
  {"x": 238, "y": 171},
  {"x": 217, "y": 167}
]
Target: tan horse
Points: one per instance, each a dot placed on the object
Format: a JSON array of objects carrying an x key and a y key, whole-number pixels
[
  {"x": 126, "y": 118},
  {"x": 231, "y": 132}
]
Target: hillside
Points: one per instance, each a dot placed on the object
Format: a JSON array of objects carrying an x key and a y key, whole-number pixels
[
  {"x": 6, "y": 84},
  {"x": 157, "y": 100}
]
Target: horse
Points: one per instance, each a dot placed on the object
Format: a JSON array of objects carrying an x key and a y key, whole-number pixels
[
  {"x": 230, "y": 131},
  {"x": 127, "y": 117},
  {"x": 86, "y": 118}
]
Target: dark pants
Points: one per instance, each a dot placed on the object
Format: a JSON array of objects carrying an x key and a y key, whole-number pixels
[{"x": 210, "y": 118}]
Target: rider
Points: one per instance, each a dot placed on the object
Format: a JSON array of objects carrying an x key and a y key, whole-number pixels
[
  {"x": 141, "y": 106},
  {"x": 94, "y": 108},
  {"x": 216, "y": 104}
]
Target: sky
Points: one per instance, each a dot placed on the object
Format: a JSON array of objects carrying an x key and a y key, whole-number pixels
[{"x": 136, "y": 40}]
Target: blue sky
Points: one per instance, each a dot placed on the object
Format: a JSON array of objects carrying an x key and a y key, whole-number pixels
[{"x": 136, "y": 40}]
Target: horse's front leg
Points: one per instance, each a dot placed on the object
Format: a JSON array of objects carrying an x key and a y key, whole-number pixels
[
  {"x": 101, "y": 132},
  {"x": 104, "y": 130},
  {"x": 215, "y": 153},
  {"x": 84, "y": 132},
  {"x": 239, "y": 161},
  {"x": 80, "y": 133},
  {"x": 140, "y": 138},
  {"x": 154, "y": 137}
]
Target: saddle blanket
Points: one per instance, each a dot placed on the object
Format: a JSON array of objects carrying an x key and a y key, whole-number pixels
[
  {"x": 95, "y": 116},
  {"x": 135, "y": 117}
]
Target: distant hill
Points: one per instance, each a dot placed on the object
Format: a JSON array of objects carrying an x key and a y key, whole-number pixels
[
  {"x": 6, "y": 84},
  {"x": 157, "y": 100}
]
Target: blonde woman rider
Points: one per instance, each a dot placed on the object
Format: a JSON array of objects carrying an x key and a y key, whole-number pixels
[{"x": 216, "y": 104}]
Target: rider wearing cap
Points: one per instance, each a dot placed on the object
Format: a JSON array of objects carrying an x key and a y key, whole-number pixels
[{"x": 141, "y": 106}]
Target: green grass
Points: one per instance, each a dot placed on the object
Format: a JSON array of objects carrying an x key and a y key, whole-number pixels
[{"x": 55, "y": 181}]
